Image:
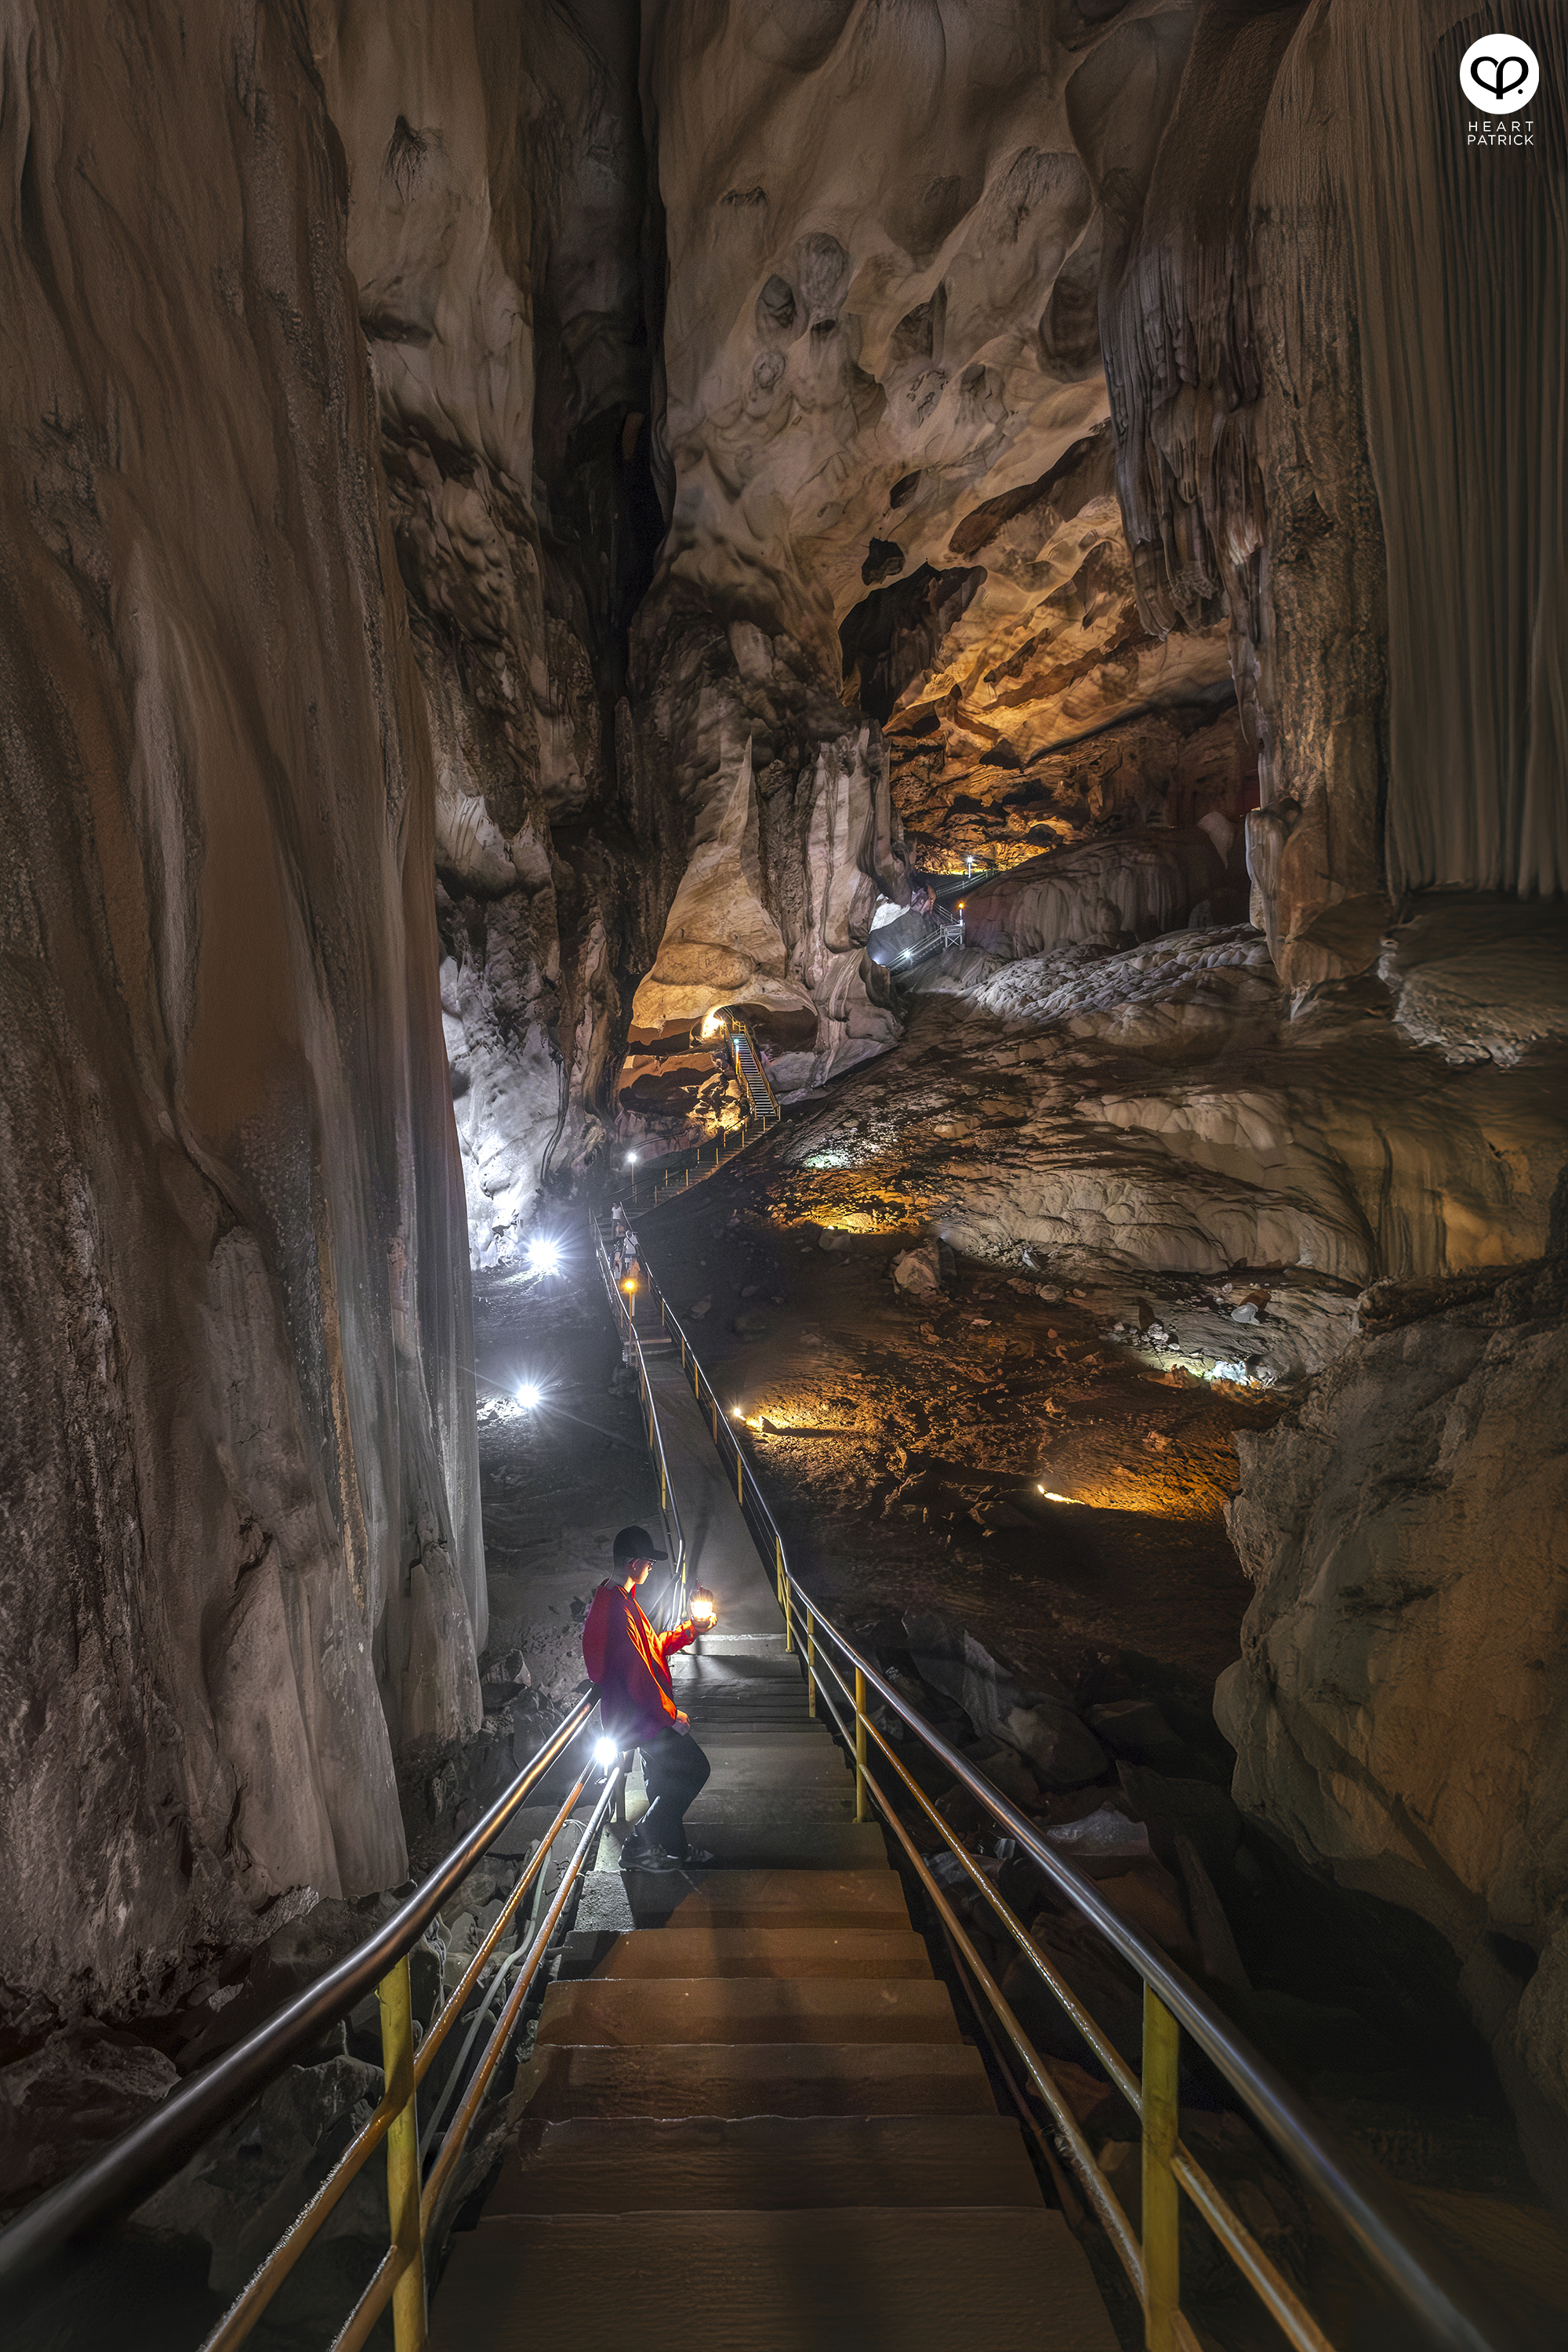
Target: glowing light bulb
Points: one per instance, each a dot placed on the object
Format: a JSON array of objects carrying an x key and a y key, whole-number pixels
[
  {"x": 528, "y": 1396},
  {"x": 543, "y": 1256},
  {"x": 605, "y": 1752},
  {"x": 736, "y": 1413},
  {"x": 631, "y": 1159}
]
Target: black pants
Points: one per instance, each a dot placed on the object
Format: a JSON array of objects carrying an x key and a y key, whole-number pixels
[{"x": 675, "y": 1768}]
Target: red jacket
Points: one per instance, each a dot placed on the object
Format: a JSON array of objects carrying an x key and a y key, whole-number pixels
[{"x": 628, "y": 1661}]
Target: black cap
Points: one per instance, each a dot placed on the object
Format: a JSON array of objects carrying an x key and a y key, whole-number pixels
[{"x": 636, "y": 1543}]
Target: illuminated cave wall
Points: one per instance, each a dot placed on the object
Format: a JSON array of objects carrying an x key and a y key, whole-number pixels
[{"x": 241, "y": 1567}]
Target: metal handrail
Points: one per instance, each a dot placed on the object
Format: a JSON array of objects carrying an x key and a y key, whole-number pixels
[
  {"x": 124, "y": 2174},
  {"x": 666, "y": 1502},
  {"x": 1393, "y": 2243},
  {"x": 403, "y": 2258},
  {"x": 664, "y": 1187},
  {"x": 739, "y": 1030}
]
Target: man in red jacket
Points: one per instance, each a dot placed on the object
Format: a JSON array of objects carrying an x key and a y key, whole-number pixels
[{"x": 629, "y": 1662}]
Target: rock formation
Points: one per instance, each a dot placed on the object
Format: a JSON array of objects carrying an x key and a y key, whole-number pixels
[
  {"x": 524, "y": 525},
  {"x": 1399, "y": 1709},
  {"x": 496, "y": 226},
  {"x": 1310, "y": 357},
  {"x": 242, "y": 1567},
  {"x": 1169, "y": 1110}
]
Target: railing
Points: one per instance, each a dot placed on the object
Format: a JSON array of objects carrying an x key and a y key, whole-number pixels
[
  {"x": 1389, "y": 2240},
  {"x": 144, "y": 2158},
  {"x": 754, "y": 1076},
  {"x": 696, "y": 1168},
  {"x": 692, "y": 1168},
  {"x": 624, "y": 1299}
]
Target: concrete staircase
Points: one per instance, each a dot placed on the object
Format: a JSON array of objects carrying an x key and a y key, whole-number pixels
[{"x": 751, "y": 2122}]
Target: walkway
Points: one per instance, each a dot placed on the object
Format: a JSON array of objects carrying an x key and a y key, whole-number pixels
[{"x": 751, "y": 2123}]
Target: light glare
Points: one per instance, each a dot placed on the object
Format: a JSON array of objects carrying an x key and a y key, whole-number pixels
[
  {"x": 543, "y": 1256},
  {"x": 605, "y": 1752},
  {"x": 529, "y": 1395}
]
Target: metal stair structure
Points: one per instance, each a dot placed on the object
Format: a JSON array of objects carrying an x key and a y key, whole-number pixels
[
  {"x": 749, "y": 1071},
  {"x": 751, "y": 2118},
  {"x": 729, "y": 1039}
]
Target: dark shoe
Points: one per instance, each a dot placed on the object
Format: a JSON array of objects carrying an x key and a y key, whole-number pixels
[
  {"x": 634, "y": 1851},
  {"x": 697, "y": 1857},
  {"x": 651, "y": 1858}
]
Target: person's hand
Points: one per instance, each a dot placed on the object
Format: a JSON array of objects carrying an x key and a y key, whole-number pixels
[{"x": 682, "y": 1720}]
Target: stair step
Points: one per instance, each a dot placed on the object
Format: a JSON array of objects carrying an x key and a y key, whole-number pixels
[
  {"x": 607, "y": 2164},
  {"x": 799, "y": 1899},
  {"x": 884, "y": 2281},
  {"x": 621, "y": 1900},
  {"x": 765, "y": 1952},
  {"x": 751, "y": 2078},
  {"x": 747, "y": 2008},
  {"x": 754, "y": 1808},
  {"x": 787, "y": 1843},
  {"x": 783, "y": 1764}
]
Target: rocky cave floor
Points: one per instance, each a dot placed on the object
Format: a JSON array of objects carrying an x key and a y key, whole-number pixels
[{"x": 903, "y": 1439}]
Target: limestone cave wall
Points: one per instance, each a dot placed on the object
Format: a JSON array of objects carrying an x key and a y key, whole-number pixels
[
  {"x": 241, "y": 1571},
  {"x": 1320, "y": 312},
  {"x": 497, "y": 238}
]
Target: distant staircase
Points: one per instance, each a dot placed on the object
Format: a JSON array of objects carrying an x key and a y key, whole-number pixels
[{"x": 732, "y": 1044}]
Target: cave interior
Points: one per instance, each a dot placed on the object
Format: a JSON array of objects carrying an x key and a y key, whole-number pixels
[{"x": 1015, "y": 551}]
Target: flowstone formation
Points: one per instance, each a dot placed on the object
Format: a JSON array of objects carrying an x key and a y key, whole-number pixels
[
  {"x": 1398, "y": 1710},
  {"x": 242, "y": 1569}
]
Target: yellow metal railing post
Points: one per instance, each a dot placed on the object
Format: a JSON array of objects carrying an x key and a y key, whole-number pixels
[
  {"x": 715, "y": 1420},
  {"x": 395, "y": 2000},
  {"x": 739, "y": 1478},
  {"x": 862, "y": 1811},
  {"x": 810, "y": 1661},
  {"x": 1162, "y": 2196},
  {"x": 780, "y": 1578}
]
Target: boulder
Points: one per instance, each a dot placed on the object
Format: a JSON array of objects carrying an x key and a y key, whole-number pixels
[
  {"x": 918, "y": 1270},
  {"x": 63, "y": 2101},
  {"x": 1061, "y": 1748},
  {"x": 246, "y": 2184},
  {"x": 1132, "y": 1726},
  {"x": 1106, "y": 1834},
  {"x": 955, "y": 1664}
]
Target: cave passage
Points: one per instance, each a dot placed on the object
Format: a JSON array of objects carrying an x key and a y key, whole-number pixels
[{"x": 918, "y": 650}]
